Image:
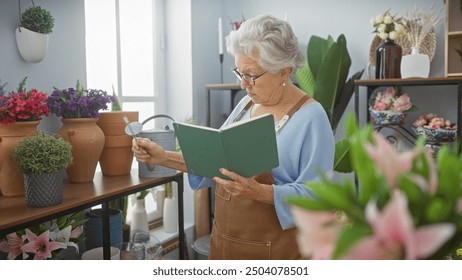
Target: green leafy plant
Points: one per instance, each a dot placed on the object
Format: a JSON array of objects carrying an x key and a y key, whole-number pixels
[
  {"x": 43, "y": 153},
  {"x": 116, "y": 105},
  {"x": 324, "y": 75},
  {"x": 37, "y": 19},
  {"x": 459, "y": 50}
]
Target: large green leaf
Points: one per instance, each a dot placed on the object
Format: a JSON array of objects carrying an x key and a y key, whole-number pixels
[
  {"x": 305, "y": 78},
  {"x": 317, "y": 51},
  {"x": 343, "y": 100},
  {"x": 342, "y": 161}
]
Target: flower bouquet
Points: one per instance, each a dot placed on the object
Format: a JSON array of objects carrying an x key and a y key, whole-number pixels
[
  {"x": 387, "y": 26},
  {"x": 22, "y": 105},
  {"x": 46, "y": 240},
  {"x": 78, "y": 102},
  {"x": 390, "y": 106},
  {"x": 404, "y": 206}
]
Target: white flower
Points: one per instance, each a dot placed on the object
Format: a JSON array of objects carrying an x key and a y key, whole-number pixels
[
  {"x": 383, "y": 35},
  {"x": 393, "y": 35},
  {"x": 372, "y": 21},
  {"x": 379, "y": 19},
  {"x": 381, "y": 28},
  {"x": 387, "y": 19}
]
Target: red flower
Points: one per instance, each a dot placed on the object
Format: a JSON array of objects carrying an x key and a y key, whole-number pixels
[{"x": 23, "y": 105}]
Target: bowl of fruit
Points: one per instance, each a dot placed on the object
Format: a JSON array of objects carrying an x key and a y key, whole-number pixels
[{"x": 434, "y": 128}]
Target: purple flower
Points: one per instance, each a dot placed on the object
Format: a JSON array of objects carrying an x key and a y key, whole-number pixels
[{"x": 78, "y": 102}]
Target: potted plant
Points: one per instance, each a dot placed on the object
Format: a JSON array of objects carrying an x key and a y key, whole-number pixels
[
  {"x": 20, "y": 113},
  {"x": 324, "y": 73},
  {"x": 117, "y": 156},
  {"x": 79, "y": 110},
  {"x": 46, "y": 240},
  {"x": 32, "y": 33},
  {"x": 43, "y": 158}
]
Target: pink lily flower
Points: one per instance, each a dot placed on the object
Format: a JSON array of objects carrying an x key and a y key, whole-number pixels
[
  {"x": 317, "y": 232},
  {"x": 395, "y": 236},
  {"x": 41, "y": 245},
  {"x": 393, "y": 164},
  {"x": 12, "y": 246}
]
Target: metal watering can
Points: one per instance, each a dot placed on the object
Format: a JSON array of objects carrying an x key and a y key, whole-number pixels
[{"x": 165, "y": 137}]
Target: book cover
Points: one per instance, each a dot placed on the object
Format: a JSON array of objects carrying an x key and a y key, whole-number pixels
[{"x": 246, "y": 147}]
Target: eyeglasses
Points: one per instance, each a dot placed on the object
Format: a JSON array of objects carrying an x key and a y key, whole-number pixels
[{"x": 246, "y": 77}]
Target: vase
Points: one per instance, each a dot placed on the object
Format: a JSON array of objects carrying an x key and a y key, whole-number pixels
[
  {"x": 44, "y": 190},
  {"x": 117, "y": 156},
  {"x": 11, "y": 178},
  {"x": 32, "y": 46},
  {"x": 388, "y": 60},
  {"x": 87, "y": 141},
  {"x": 170, "y": 215},
  {"x": 387, "y": 117},
  {"x": 415, "y": 65},
  {"x": 94, "y": 228},
  {"x": 139, "y": 221}
]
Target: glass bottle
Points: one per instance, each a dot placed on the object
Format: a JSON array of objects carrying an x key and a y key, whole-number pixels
[{"x": 388, "y": 60}]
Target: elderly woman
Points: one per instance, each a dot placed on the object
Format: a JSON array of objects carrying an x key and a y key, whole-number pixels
[{"x": 252, "y": 218}]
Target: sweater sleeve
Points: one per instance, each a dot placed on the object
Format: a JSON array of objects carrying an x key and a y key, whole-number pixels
[{"x": 306, "y": 149}]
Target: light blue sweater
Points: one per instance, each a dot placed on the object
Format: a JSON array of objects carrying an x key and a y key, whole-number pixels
[{"x": 306, "y": 148}]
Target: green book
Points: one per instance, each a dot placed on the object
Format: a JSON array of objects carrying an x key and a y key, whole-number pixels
[{"x": 246, "y": 147}]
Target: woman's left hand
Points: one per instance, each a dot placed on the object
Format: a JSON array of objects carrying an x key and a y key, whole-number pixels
[{"x": 238, "y": 185}]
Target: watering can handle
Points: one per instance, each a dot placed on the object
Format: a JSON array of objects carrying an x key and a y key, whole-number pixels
[{"x": 158, "y": 116}]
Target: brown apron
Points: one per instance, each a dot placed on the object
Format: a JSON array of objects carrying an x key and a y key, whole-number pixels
[{"x": 248, "y": 229}]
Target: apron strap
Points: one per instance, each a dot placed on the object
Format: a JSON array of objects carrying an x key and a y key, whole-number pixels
[{"x": 284, "y": 119}]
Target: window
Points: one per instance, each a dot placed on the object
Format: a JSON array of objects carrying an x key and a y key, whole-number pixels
[
  {"x": 120, "y": 55},
  {"x": 121, "y": 51}
]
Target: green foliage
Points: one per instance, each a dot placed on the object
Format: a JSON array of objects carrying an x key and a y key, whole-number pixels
[
  {"x": 116, "y": 105},
  {"x": 324, "y": 75},
  {"x": 42, "y": 153},
  {"x": 37, "y": 19}
]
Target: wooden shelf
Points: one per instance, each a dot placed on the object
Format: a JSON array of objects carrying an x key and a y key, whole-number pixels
[
  {"x": 15, "y": 215},
  {"x": 453, "y": 38}
]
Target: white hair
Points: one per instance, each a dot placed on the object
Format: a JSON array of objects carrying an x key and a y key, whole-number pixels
[{"x": 268, "y": 40}]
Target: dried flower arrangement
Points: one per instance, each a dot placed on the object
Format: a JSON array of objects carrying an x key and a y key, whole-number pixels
[{"x": 420, "y": 24}]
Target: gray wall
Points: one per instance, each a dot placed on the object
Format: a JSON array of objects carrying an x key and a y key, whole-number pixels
[{"x": 65, "y": 60}]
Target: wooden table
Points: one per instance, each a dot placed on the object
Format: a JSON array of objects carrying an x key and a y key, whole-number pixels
[{"x": 15, "y": 215}]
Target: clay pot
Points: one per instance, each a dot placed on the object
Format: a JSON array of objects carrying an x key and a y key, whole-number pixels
[
  {"x": 11, "y": 178},
  {"x": 117, "y": 156},
  {"x": 87, "y": 141}
]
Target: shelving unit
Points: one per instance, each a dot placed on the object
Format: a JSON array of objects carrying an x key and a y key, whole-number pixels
[
  {"x": 371, "y": 85},
  {"x": 15, "y": 215},
  {"x": 453, "y": 62}
]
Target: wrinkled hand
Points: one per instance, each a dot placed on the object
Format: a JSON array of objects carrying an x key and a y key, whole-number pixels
[
  {"x": 238, "y": 185},
  {"x": 147, "y": 151}
]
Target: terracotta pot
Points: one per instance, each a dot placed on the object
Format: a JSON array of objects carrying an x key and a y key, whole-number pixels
[
  {"x": 117, "y": 156},
  {"x": 11, "y": 178},
  {"x": 87, "y": 141}
]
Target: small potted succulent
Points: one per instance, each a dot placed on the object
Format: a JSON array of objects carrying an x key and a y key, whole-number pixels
[
  {"x": 32, "y": 33},
  {"x": 43, "y": 158}
]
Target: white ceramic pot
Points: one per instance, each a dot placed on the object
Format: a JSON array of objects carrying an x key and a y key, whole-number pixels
[
  {"x": 32, "y": 46},
  {"x": 170, "y": 215},
  {"x": 139, "y": 222}
]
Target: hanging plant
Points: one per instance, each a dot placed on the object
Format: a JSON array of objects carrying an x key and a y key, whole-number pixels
[
  {"x": 35, "y": 23},
  {"x": 37, "y": 19}
]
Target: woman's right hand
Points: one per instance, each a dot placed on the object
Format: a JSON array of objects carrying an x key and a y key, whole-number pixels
[{"x": 147, "y": 151}]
